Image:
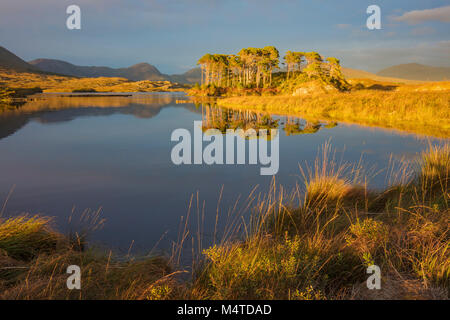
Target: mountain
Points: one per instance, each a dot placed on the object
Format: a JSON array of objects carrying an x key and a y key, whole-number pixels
[
  {"x": 142, "y": 71},
  {"x": 137, "y": 72},
  {"x": 415, "y": 71},
  {"x": 191, "y": 76},
  {"x": 361, "y": 74},
  {"x": 9, "y": 60},
  {"x": 357, "y": 74}
]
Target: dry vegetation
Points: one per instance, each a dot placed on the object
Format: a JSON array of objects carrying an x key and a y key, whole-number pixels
[
  {"x": 56, "y": 83},
  {"x": 421, "y": 108},
  {"x": 314, "y": 244}
]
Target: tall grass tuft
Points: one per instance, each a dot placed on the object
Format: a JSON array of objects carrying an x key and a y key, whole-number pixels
[
  {"x": 435, "y": 163},
  {"x": 25, "y": 237},
  {"x": 329, "y": 181}
]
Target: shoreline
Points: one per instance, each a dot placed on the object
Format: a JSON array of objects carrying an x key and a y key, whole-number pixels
[{"x": 385, "y": 110}]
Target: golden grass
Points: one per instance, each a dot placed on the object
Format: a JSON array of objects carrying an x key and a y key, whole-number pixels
[
  {"x": 25, "y": 237},
  {"x": 56, "y": 83},
  {"x": 357, "y": 75},
  {"x": 435, "y": 164},
  {"x": 34, "y": 259},
  {"x": 330, "y": 181},
  {"x": 422, "y": 112}
]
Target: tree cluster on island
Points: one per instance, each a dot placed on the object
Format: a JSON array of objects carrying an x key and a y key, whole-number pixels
[{"x": 256, "y": 68}]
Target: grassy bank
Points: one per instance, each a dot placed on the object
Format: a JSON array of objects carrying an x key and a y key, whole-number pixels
[
  {"x": 422, "y": 112},
  {"x": 313, "y": 243},
  {"x": 34, "y": 259}
]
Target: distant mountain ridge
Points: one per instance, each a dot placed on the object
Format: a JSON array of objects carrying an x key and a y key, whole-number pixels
[
  {"x": 145, "y": 71},
  {"x": 361, "y": 74},
  {"x": 416, "y": 71},
  {"x": 191, "y": 76},
  {"x": 137, "y": 72},
  {"x": 10, "y": 61}
]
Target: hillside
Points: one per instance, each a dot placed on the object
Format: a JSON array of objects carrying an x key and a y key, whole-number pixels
[
  {"x": 415, "y": 71},
  {"x": 191, "y": 76},
  {"x": 361, "y": 74},
  {"x": 22, "y": 81},
  {"x": 10, "y": 61},
  {"x": 138, "y": 72}
]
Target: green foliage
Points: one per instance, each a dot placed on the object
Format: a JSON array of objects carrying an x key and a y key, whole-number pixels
[
  {"x": 288, "y": 268},
  {"x": 253, "y": 68},
  {"x": 296, "y": 80},
  {"x": 369, "y": 238}
]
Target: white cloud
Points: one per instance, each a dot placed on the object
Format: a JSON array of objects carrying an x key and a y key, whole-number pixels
[{"x": 417, "y": 16}]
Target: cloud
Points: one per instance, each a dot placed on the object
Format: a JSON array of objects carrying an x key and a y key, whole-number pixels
[{"x": 417, "y": 16}]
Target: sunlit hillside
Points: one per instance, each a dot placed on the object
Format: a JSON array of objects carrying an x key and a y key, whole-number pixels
[
  {"x": 361, "y": 74},
  {"x": 57, "y": 83}
]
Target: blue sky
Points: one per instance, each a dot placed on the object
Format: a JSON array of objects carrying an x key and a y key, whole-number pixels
[{"x": 173, "y": 34}]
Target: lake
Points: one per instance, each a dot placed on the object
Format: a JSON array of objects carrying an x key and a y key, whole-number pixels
[{"x": 62, "y": 155}]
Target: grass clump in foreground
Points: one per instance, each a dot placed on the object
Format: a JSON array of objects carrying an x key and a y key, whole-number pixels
[
  {"x": 311, "y": 244},
  {"x": 34, "y": 259},
  {"x": 25, "y": 237}
]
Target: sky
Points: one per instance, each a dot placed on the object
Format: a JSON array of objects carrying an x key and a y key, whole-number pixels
[{"x": 174, "y": 34}]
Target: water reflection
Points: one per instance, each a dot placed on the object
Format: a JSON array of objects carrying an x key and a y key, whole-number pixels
[
  {"x": 48, "y": 109},
  {"x": 115, "y": 153},
  {"x": 215, "y": 117}
]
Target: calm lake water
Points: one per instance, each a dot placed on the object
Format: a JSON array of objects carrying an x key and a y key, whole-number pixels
[{"x": 64, "y": 155}]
